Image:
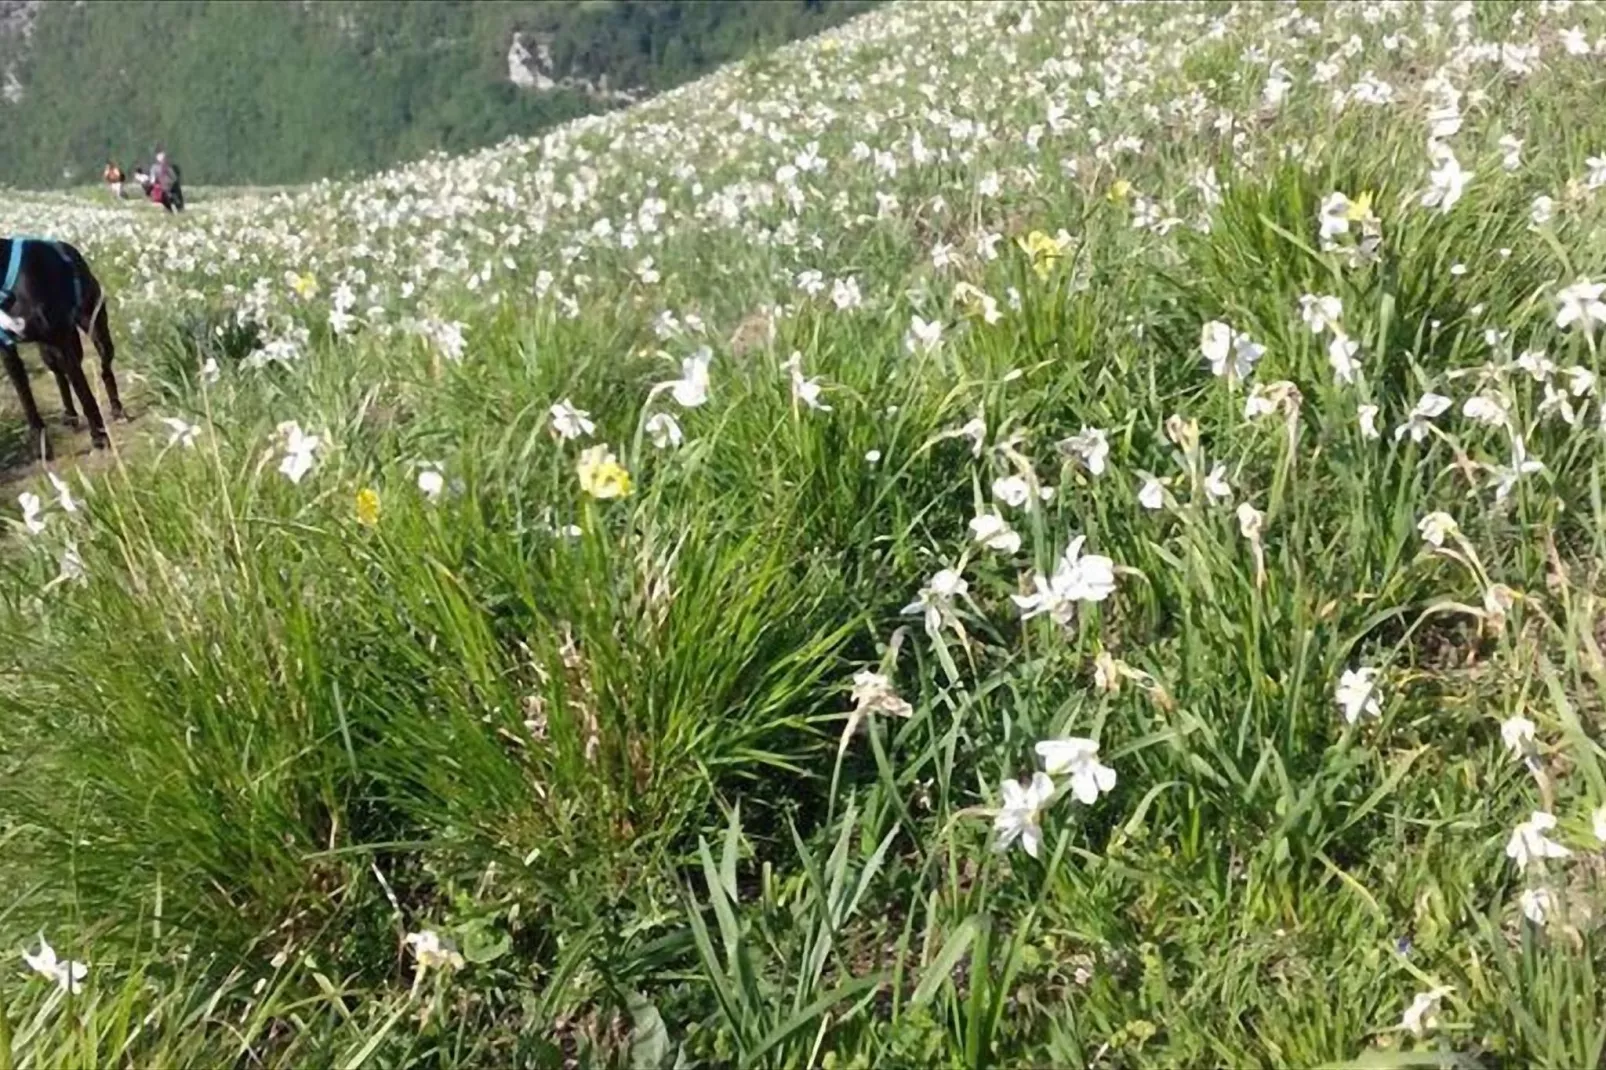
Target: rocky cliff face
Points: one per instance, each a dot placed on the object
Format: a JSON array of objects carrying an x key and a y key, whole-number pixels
[
  {"x": 529, "y": 66},
  {"x": 16, "y": 27}
]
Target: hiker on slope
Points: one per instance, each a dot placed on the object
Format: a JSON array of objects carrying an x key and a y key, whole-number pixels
[{"x": 166, "y": 185}]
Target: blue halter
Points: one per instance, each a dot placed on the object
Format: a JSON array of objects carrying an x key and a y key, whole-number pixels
[{"x": 14, "y": 267}]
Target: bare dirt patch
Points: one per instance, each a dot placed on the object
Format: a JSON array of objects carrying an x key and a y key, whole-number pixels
[{"x": 20, "y": 467}]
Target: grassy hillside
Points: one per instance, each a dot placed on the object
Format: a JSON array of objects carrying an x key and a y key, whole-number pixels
[
  {"x": 267, "y": 92},
  {"x": 1003, "y": 535}
]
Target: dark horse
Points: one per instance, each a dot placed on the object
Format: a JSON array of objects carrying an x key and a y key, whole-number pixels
[{"x": 47, "y": 295}]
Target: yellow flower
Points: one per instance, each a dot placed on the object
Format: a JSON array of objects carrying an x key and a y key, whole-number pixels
[
  {"x": 601, "y": 476},
  {"x": 1044, "y": 251},
  {"x": 304, "y": 286},
  {"x": 1120, "y": 189},
  {"x": 1360, "y": 208},
  {"x": 974, "y": 300},
  {"x": 368, "y": 506}
]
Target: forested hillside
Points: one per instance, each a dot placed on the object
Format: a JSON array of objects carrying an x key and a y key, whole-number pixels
[{"x": 275, "y": 92}]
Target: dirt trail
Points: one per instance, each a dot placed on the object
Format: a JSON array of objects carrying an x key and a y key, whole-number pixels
[{"x": 21, "y": 469}]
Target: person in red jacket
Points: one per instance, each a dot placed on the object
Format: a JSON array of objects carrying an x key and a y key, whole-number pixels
[{"x": 166, "y": 186}]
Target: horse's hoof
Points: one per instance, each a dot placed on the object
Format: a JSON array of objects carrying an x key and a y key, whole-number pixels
[
  {"x": 100, "y": 441},
  {"x": 70, "y": 420},
  {"x": 118, "y": 413}
]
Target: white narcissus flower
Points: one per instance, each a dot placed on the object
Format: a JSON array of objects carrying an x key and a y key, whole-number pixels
[
  {"x": 1106, "y": 674},
  {"x": 1580, "y": 305},
  {"x": 1215, "y": 342},
  {"x": 1597, "y": 171},
  {"x": 1542, "y": 211},
  {"x": 805, "y": 390},
  {"x": 1506, "y": 477},
  {"x": 1356, "y": 694},
  {"x": 1428, "y": 408},
  {"x": 1366, "y": 416},
  {"x": 1341, "y": 351},
  {"x": 1320, "y": 312},
  {"x": 1260, "y": 402},
  {"x": 1529, "y": 842},
  {"x": 923, "y": 337},
  {"x": 872, "y": 693},
  {"x": 1598, "y": 820},
  {"x": 431, "y": 483},
  {"x": 664, "y": 430},
  {"x": 1436, "y": 527},
  {"x": 1334, "y": 216},
  {"x": 934, "y": 601},
  {"x": 72, "y": 566},
  {"x": 845, "y": 294},
  {"x": 1216, "y": 484},
  {"x": 993, "y": 531},
  {"x": 1078, "y": 757},
  {"x": 691, "y": 389},
  {"x": 569, "y": 422},
  {"x": 432, "y": 951},
  {"x": 31, "y": 507},
  {"x": 1518, "y": 735},
  {"x": 1423, "y": 1013},
  {"x": 1446, "y": 182},
  {"x": 1152, "y": 494},
  {"x": 1511, "y": 147},
  {"x": 67, "y": 974},
  {"x": 975, "y": 429},
  {"x": 1486, "y": 409},
  {"x": 1013, "y": 491},
  {"x": 1537, "y": 904},
  {"x": 181, "y": 432},
  {"x": 1536, "y": 363},
  {"x": 1559, "y": 402},
  {"x": 299, "y": 448},
  {"x": 63, "y": 493},
  {"x": 1250, "y": 521},
  {"x": 1232, "y": 354},
  {"x": 1089, "y": 446},
  {"x": 1076, "y": 579},
  {"x": 1021, "y": 814}
]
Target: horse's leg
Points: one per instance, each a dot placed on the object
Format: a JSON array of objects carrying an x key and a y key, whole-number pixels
[
  {"x": 100, "y": 332},
  {"x": 73, "y": 364},
  {"x": 53, "y": 361},
  {"x": 30, "y": 411}
]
